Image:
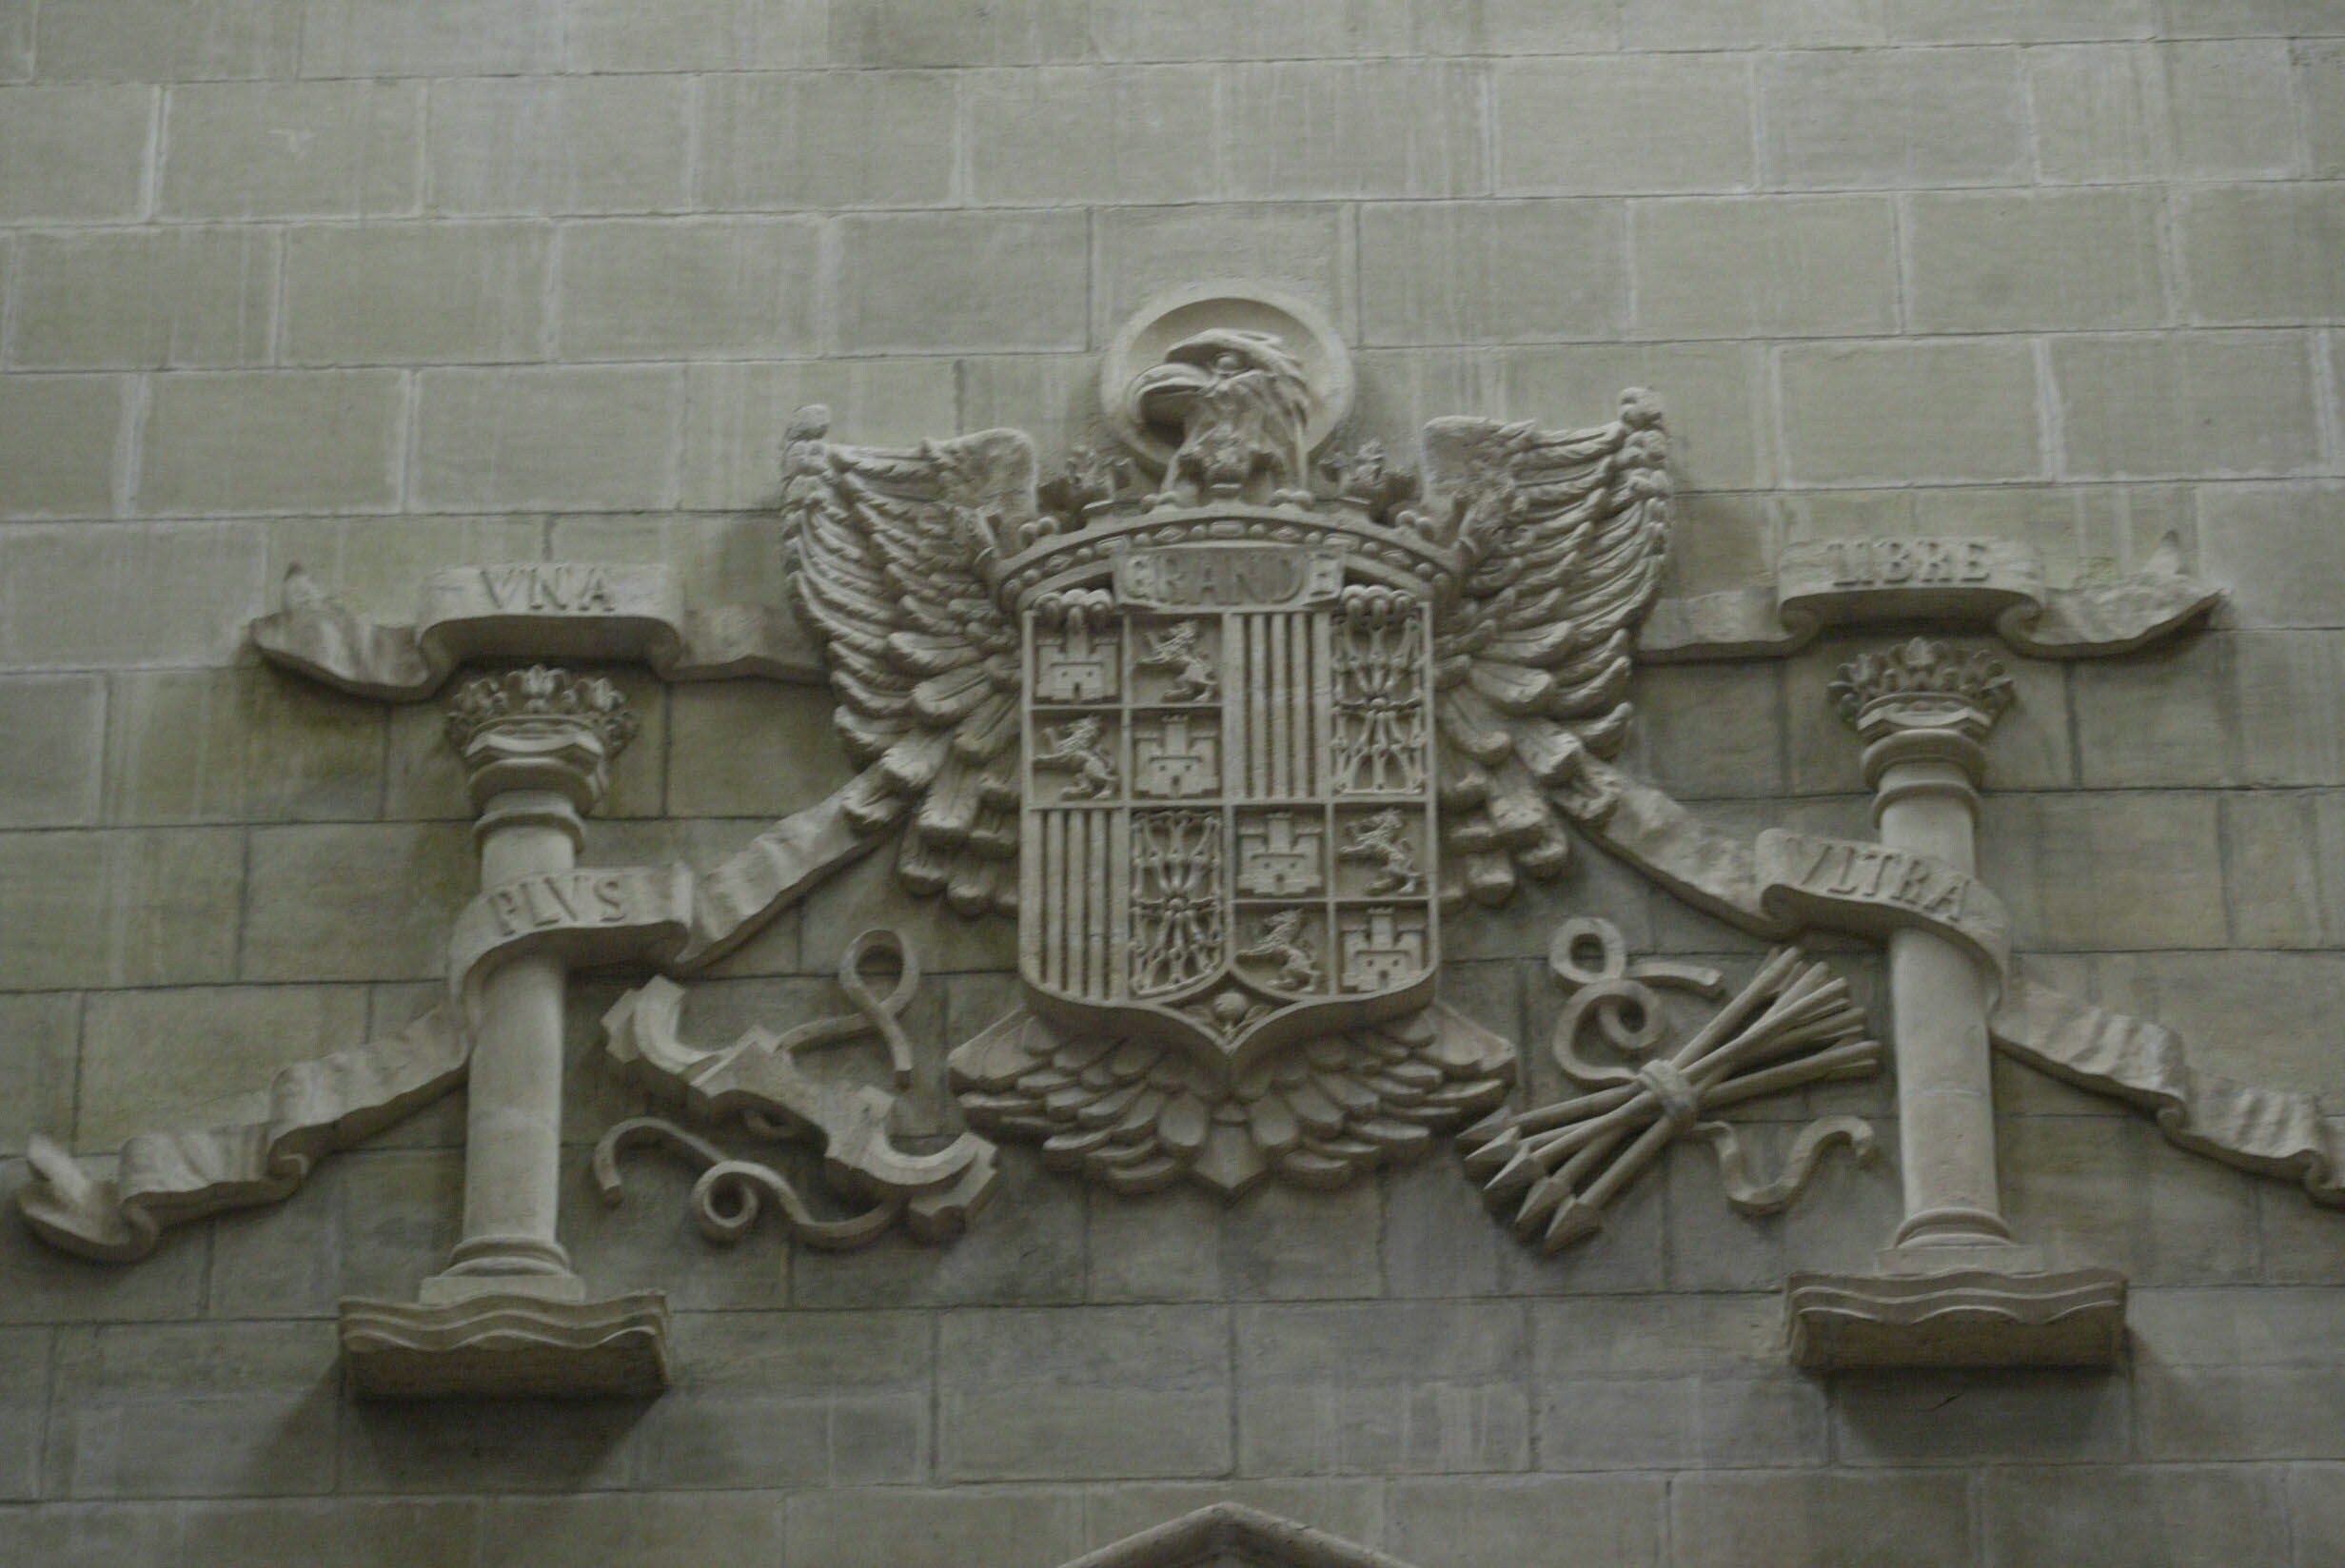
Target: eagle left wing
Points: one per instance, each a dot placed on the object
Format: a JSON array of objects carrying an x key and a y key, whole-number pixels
[
  {"x": 894, "y": 561},
  {"x": 1560, "y": 535}
]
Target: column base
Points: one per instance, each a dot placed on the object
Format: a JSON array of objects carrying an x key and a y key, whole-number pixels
[
  {"x": 507, "y": 1345},
  {"x": 1960, "y": 1317}
]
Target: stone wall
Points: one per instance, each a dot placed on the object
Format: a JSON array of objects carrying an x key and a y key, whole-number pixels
[{"x": 381, "y": 287}]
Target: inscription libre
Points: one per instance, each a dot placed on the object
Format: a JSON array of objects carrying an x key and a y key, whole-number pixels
[{"x": 1895, "y": 562}]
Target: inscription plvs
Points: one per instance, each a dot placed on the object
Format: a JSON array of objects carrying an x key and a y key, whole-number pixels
[{"x": 559, "y": 900}]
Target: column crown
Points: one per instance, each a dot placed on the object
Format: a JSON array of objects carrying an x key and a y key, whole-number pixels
[
  {"x": 1923, "y": 685},
  {"x": 539, "y": 729}
]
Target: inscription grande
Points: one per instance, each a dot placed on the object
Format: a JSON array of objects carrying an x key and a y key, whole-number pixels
[{"x": 1226, "y": 577}]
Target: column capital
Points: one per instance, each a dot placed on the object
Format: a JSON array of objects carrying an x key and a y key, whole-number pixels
[
  {"x": 539, "y": 730},
  {"x": 1923, "y": 701}
]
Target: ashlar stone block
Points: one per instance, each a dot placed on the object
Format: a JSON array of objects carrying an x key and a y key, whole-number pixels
[
  {"x": 687, "y": 1530},
  {"x": 559, "y": 144},
  {"x": 1752, "y": 24},
  {"x": 2035, "y": 1415},
  {"x": 663, "y": 290},
  {"x": 1805, "y": 267},
  {"x": 119, "y": 908},
  {"x": 797, "y": 1400},
  {"x": 16, "y": 19},
  {"x": 144, "y": 298},
  {"x": 2052, "y": 1516},
  {"x": 40, "y": 1045},
  {"x": 560, "y": 435},
  {"x": 2047, "y": 261},
  {"x": 350, "y": 1533},
  {"x": 2127, "y": 869},
  {"x": 2164, "y": 717},
  {"x": 1108, "y": 1393},
  {"x": 1872, "y": 119},
  {"x": 2111, "y": 1192},
  {"x": 156, "y": 1059},
  {"x": 359, "y": 901},
  {"x": 1715, "y": 1519},
  {"x": 2285, "y": 856},
  {"x": 1139, "y": 252},
  {"x": 1906, "y": 412},
  {"x": 50, "y": 769},
  {"x": 921, "y": 32},
  {"x": 909, "y": 1527},
  {"x": 2196, "y": 404},
  {"x": 2233, "y": 113},
  {"x": 1504, "y": 1522},
  {"x": 827, "y": 140},
  {"x": 1283, "y": 1244},
  {"x": 2264, "y": 253},
  {"x": 2247, "y": 19},
  {"x": 2019, "y": 21},
  {"x": 2321, "y": 81},
  {"x": 2273, "y": 547},
  {"x": 1087, "y": 133},
  {"x": 169, "y": 40},
  {"x": 1574, "y": 125},
  {"x": 2282, "y": 677},
  {"x": 353, "y": 38},
  {"x": 415, "y": 293},
  {"x": 74, "y": 153},
  {"x": 282, "y": 149},
  {"x": 194, "y": 1410},
  {"x": 688, "y": 35},
  {"x": 24, "y": 1409},
  {"x": 1382, "y": 1388},
  {"x": 1492, "y": 272},
  {"x": 238, "y": 745},
  {"x": 257, "y": 441},
  {"x": 1310, "y": 130},
  {"x": 976, "y": 282},
  {"x": 58, "y": 438},
  {"x": 2101, "y": 113}
]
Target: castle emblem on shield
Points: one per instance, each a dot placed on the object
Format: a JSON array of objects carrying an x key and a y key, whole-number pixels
[{"x": 1231, "y": 729}]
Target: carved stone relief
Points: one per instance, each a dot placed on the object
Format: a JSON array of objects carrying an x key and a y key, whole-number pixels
[{"x": 1233, "y": 724}]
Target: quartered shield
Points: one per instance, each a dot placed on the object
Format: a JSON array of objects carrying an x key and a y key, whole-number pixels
[{"x": 1228, "y": 835}]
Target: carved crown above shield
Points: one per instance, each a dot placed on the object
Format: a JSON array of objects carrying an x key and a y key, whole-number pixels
[{"x": 1230, "y": 726}]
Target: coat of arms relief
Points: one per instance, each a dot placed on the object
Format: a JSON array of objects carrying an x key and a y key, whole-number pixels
[
  {"x": 1230, "y": 719},
  {"x": 1230, "y": 741}
]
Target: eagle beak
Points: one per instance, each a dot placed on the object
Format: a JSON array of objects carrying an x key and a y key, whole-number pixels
[{"x": 1162, "y": 394}]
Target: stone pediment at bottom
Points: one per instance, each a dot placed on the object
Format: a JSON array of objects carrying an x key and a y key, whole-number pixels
[{"x": 1228, "y": 1535}]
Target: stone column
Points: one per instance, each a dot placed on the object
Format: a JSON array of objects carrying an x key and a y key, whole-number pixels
[
  {"x": 1923, "y": 723},
  {"x": 1953, "y": 1288},
  {"x": 508, "y": 1316},
  {"x": 537, "y": 746}
]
